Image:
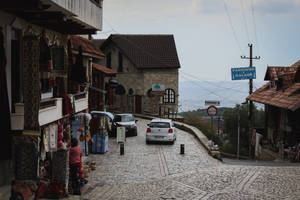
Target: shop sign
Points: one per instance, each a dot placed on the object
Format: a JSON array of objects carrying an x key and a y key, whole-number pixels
[
  {"x": 121, "y": 134},
  {"x": 158, "y": 87}
]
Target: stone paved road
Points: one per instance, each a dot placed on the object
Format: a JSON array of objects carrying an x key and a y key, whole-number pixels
[{"x": 158, "y": 171}]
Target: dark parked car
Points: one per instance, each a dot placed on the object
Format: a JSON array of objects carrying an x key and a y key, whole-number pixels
[{"x": 126, "y": 120}]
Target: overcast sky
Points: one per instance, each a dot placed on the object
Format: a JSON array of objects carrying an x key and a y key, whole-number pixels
[{"x": 205, "y": 33}]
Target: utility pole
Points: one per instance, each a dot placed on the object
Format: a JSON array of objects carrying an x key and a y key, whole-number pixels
[
  {"x": 250, "y": 92},
  {"x": 218, "y": 126}
]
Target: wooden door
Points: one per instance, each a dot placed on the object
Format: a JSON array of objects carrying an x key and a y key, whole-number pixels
[{"x": 138, "y": 104}]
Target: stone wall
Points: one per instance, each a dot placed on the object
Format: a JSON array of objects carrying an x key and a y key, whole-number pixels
[{"x": 141, "y": 80}]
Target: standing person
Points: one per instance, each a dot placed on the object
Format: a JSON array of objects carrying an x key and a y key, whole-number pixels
[{"x": 75, "y": 164}]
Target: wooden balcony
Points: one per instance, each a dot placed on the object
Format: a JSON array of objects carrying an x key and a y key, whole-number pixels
[
  {"x": 64, "y": 16},
  {"x": 87, "y": 12},
  {"x": 50, "y": 110},
  {"x": 81, "y": 102}
]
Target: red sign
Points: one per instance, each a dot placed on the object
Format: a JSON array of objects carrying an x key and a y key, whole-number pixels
[{"x": 212, "y": 111}]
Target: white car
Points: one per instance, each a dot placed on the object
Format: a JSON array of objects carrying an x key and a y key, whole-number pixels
[{"x": 162, "y": 130}]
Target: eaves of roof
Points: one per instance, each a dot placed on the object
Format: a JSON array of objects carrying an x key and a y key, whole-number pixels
[
  {"x": 287, "y": 99},
  {"x": 103, "y": 69},
  {"x": 89, "y": 49}
]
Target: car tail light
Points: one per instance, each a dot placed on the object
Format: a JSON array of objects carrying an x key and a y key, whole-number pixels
[
  {"x": 148, "y": 130},
  {"x": 170, "y": 130}
]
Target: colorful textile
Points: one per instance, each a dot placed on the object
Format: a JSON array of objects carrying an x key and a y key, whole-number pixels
[
  {"x": 31, "y": 81},
  {"x": 52, "y": 137},
  {"x": 46, "y": 139}
]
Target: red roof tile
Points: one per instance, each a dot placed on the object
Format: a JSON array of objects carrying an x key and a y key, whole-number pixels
[
  {"x": 88, "y": 47},
  {"x": 273, "y": 72},
  {"x": 296, "y": 64},
  {"x": 288, "y": 98},
  {"x": 103, "y": 69}
]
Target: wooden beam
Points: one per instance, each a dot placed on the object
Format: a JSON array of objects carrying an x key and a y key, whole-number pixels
[{"x": 31, "y": 16}]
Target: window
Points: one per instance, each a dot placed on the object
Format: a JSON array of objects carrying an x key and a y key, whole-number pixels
[
  {"x": 159, "y": 125},
  {"x": 169, "y": 96},
  {"x": 120, "y": 68},
  {"x": 124, "y": 118},
  {"x": 108, "y": 60}
]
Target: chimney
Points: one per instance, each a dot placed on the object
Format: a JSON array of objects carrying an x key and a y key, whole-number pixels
[{"x": 279, "y": 83}]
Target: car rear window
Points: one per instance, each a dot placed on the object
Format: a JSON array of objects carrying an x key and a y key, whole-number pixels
[
  {"x": 159, "y": 125},
  {"x": 124, "y": 118}
]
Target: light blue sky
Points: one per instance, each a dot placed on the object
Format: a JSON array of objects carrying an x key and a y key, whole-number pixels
[{"x": 205, "y": 41}]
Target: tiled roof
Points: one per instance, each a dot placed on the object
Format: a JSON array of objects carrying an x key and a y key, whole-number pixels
[
  {"x": 88, "y": 47},
  {"x": 296, "y": 64},
  {"x": 287, "y": 99},
  {"x": 273, "y": 72},
  {"x": 103, "y": 69},
  {"x": 285, "y": 94},
  {"x": 147, "y": 51}
]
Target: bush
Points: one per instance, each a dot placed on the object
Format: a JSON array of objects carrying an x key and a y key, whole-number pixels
[
  {"x": 232, "y": 149},
  {"x": 204, "y": 126}
]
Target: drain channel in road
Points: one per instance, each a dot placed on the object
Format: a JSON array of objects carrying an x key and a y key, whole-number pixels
[{"x": 162, "y": 162}]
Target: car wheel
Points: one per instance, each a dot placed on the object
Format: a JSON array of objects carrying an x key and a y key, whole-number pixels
[{"x": 147, "y": 142}]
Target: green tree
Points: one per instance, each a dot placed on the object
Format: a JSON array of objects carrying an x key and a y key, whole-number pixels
[
  {"x": 196, "y": 120},
  {"x": 231, "y": 128}
]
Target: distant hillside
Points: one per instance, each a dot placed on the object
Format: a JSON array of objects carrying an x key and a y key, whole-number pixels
[
  {"x": 203, "y": 112},
  {"x": 192, "y": 94}
]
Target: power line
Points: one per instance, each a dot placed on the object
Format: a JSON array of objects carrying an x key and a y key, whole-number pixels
[
  {"x": 222, "y": 97},
  {"x": 109, "y": 24},
  {"x": 212, "y": 83},
  {"x": 245, "y": 21},
  {"x": 183, "y": 72},
  {"x": 231, "y": 26},
  {"x": 254, "y": 25}
]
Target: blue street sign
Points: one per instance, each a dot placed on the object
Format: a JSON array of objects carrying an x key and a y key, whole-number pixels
[{"x": 243, "y": 73}]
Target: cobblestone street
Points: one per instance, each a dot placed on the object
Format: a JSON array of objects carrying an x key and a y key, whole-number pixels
[{"x": 159, "y": 171}]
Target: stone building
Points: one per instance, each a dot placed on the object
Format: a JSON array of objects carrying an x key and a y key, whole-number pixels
[{"x": 147, "y": 73}]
